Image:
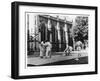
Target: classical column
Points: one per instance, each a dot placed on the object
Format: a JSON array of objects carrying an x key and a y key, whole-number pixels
[
  {"x": 73, "y": 43},
  {"x": 36, "y": 25},
  {"x": 28, "y": 32},
  {"x": 37, "y": 31},
  {"x": 39, "y": 28},
  {"x": 59, "y": 37},
  {"x": 56, "y": 34},
  {"x": 49, "y": 28},
  {"x": 46, "y": 31},
  {"x": 66, "y": 34}
]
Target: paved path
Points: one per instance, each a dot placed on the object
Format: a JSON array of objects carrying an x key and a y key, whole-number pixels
[{"x": 56, "y": 58}]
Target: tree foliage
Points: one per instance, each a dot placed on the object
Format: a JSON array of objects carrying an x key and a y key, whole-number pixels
[{"x": 80, "y": 31}]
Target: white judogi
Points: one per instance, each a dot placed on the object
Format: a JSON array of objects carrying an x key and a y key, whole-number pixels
[
  {"x": 48, "y": 48},
  {"x": 42, "y": 49},
  {"x": 78, "y": 48},
  {"x": 78, "y": 45},
  {"x": 68, "y": 50}
]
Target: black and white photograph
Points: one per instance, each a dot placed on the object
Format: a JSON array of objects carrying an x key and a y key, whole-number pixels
[
  {"x": 51, "y": 40},
  {"x": 56, "y": 39}
]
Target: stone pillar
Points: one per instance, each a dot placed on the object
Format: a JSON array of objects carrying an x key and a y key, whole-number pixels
[
  {"x": 49, "y": 28},
  {"x": 46, "y": 32},
  {"x": 37, "y": 32},
  {"x": 73, "y": 43},
  {"x": 35, "y": 46},
  {"x": 66, "y": 34},
  {"x": 28, "y": 31},
  {"x": 59, "y": 37},
  {"x": 28, "y": 22},
  {"x": 39, "y": 35},
  {"x": 39, "y": 28}
]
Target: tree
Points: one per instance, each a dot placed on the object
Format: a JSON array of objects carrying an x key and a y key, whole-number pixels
[{"x": 80, "y": 30}]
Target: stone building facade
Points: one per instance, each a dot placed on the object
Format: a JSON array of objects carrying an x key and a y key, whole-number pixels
[{"x": 52, "y": 29}]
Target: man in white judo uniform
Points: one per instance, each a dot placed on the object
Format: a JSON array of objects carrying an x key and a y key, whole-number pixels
[
  {"x": 42, "y": 49},
  {"x": 78, "y": 48},
  {"x": 48, "y": 47},
  {"x": 68, "y": 51}
]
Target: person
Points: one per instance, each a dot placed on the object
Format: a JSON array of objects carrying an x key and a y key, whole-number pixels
[
  {"x": 48, "y": 47},
  {"x": 85, "y": 44},
  {"x": 42, "y": 49},
  {"x": 78, "y": 48},
  {"x": 68, "y": 50},
  {"x": 78, "y": 45}
]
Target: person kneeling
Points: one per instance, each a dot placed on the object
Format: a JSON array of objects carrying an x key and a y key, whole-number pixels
[{"x": 68, "y": 51}]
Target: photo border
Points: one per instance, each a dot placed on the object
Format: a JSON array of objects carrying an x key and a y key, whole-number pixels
[{"x": 15, "y": 39}]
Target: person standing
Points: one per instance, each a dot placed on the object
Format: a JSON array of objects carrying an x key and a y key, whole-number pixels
[
  {"x": 48, "y": 49},
  {"x": 78, "y": 45},
  {"x": 42, "y": 49},
  {"x": 78, "y": 49}
]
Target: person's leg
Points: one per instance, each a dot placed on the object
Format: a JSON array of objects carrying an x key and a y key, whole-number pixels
[
  {"x": 78, "y": 49},
  {"x": 44, "y": 53},
  {"x": 70, "y": 49},
  {"x": 64, "y": 54},
  {"x": 41, "y": 54},
  {"x": 47, "y": 51},
  {"x": 50, "y": 53}
]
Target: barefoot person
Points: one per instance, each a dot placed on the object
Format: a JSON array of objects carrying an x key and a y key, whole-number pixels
[
  {"x": 42, "y": 49},
  {"x": 78, "y": 48},
  {"x": 68, "y": 50},
  {"x": 48, "y": 47}
]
